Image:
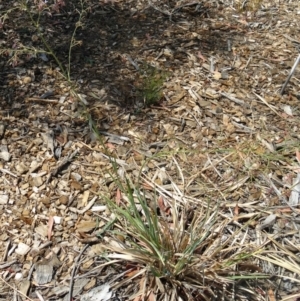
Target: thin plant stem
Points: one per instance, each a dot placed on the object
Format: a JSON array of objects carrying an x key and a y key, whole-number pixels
[
  {"x": 290, "y": 75},
  {"x": 36, "y": 24},
  {"x": 72, "y": 44}
]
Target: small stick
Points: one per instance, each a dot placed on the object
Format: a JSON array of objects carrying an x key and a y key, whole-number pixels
[
  {"x": 65, "y": 161},
  {"x": 76, "y": 263},
  {"x": 4, "y": 258},
  {"x": 8, "y": 172},
  {"x": 37, "y": 99},
  {"x": 7, "y": 264},
  {"x": 290, "y": 75},
  {"x": 266, "y": 103},
  {"x": 15, "y": 290},
  {"x": 232, "y": 98}
]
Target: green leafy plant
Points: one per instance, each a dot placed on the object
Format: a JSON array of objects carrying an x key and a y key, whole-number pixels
[
  {"x": 181, "y": 254},
  {"x": 151, "y": 83}
]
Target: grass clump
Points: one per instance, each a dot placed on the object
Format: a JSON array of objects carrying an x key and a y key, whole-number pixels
[
  {"x": 248, "y": 5},
  {"x": 179, "y": 253},
  {"x": 151, "y": 84}
]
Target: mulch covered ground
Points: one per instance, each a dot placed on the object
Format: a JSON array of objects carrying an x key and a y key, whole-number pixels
[{"x": 217, "y": 129}]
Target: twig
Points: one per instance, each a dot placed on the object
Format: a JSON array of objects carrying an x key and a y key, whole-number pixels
[
  {"x": 266, "y": 103},
  {"x": 180, "y": 171},
  {"x": 37, "y": 99},
  {"x": 65, "y": 161},
  {"x": 74, "y": 271},
  {"x": 31, "y": 271},
  {"x": 291, "y": 39},
  {"x": 7, "y": 264},
  {"x": 172, "y": 12},
  {"x": 124, "y": 138},
  {"x": 87, "y": 207},
  {"x": 165, "y": 12},
  {"x": 8, "y": 172},
  {"x": 15, "y": 290},
  {"x": 4, "y": 257},
  {"x": 135, "y": 65},
  {"x": 290, "y": 75},
  {"x": 39, "y": 295},
  {"x": 97, "y": 268},
  {"x": 279, "y": 194},
  {"x": 232, "y": 98}
]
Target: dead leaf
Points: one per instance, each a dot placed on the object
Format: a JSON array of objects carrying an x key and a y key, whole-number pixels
[
  {"x": 201, "y": 57},
  {"x": 24, "y": 286},
  {"x": 85, "y": 198},
  {"x": 86, "y": 226},
  {"x": 118, "y": 197},
  {"x": 50, "y": 226},
  {"x": 99, "y": 293},
  {"x": 236, "y": 210},
  {"x": 110, "y": 146},
  {"x": 271, "y": 295},
  {"x": 268, "y": 221},
  {"x": 298, "y": 155},
  {"x": 75, "y": 185}
]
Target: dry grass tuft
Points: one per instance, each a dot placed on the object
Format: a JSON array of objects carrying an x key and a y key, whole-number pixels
[
  {"x": 177, "y": 252},
  {"x": 248, "y": 5}
]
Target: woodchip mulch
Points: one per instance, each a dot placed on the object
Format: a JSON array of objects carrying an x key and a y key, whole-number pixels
[{"x": 221, "y": 132}]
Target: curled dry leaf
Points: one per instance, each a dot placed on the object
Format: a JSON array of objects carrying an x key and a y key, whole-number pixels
[
  {"x": 99, "y": 293},
  {"x": 268, "y": 221}
]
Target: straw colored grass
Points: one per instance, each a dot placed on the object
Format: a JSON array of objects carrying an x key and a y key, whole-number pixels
[{"x": 181, "y": 252}]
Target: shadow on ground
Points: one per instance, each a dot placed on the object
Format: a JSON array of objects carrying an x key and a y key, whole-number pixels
[{"x": 115, "y": 44}]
